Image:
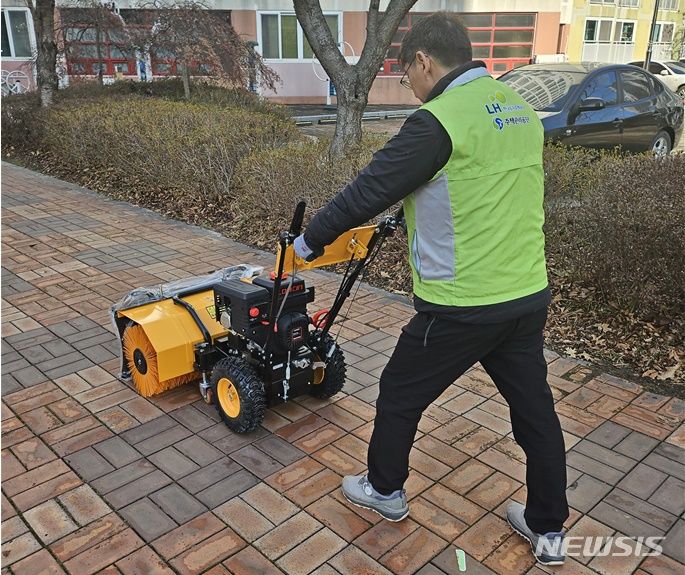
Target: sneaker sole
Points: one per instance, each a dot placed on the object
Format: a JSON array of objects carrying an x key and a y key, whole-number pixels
[
  {"x": 393, "y": 520},
  {"x": 540, "y": 561}
]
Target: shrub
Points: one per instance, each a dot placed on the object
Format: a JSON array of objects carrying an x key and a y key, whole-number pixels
[
  {"x": 624, "y": 233},
  {"x": 203, "y": 91},
  {"x": 272, "y": 180},
  {"x": 570, "y": 173},
  {"x": 186, "y": 152},
  {"x": 609, "y": 228},
  {"x": 22, "y": 124}
]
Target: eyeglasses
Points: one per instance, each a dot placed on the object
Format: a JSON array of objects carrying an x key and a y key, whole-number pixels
[{"x": 404, "y": 81}]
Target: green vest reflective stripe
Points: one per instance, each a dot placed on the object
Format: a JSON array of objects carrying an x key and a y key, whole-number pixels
[{"x": 475, "y": 230}]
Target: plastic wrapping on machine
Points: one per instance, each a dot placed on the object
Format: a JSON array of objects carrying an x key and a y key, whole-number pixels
[{"x": 144, "y": 295}]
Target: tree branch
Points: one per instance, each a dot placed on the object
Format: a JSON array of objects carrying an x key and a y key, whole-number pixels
[
  {"x": 316, "y": 30},
  {"x": 380, "y": 32},
  {"x": 372, "y": 18}
]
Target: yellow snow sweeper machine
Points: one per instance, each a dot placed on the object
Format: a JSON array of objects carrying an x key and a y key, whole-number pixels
[{"x": 245, "y": 335}]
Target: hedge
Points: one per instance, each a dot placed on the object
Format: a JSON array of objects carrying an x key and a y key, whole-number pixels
[{"x": 615, "y": 224}]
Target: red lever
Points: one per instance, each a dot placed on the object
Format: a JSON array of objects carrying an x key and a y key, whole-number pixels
[
  {"x": 272, "y": 275},
  {"x": 319, "y": 319}
]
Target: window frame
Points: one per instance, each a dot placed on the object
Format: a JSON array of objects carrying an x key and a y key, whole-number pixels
[
  {"x": 599, "y": 20},
  {"x": 498, "y": 65},
  {"x": 621, "y": 22},
  {"x": 300, "y": 35},
  {"x": 648, "y": 79},
  {"x": 661, "y": 24},
  {"x": 10, "y": 37},
  {"x": 619, "y": 87},
  {"x": 673, "y": 6},
  {"x": 109, "y": 63}
]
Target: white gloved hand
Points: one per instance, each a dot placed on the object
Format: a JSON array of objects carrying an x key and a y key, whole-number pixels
[{"x": 302, "y": 250}]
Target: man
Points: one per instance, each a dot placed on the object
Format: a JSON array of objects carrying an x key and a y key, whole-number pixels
[{"x": 468, "y": 165}]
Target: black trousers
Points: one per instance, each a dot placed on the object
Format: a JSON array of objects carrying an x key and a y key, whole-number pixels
[{"x": 432, "y": 352}]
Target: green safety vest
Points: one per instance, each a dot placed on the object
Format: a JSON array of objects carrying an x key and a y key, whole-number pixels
[{"x": 475, "y": 229}]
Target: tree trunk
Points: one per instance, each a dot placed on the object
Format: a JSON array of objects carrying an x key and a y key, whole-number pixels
[
  {"x": 46, "y": 58},
  {"x": 353, "y": 83},
  {"x": 186, "y": 82},
  {"x": 98, "y": 47},
  {"x": 348, "y": 126}
]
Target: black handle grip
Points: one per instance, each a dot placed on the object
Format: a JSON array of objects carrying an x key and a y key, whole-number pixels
[{"x": 298, "y": 218}]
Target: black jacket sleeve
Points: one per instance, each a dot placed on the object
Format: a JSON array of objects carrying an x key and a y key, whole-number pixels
[{"x": 410, "y": 159}]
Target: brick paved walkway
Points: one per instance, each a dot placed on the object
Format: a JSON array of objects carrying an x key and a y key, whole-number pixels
[{"x": 98, "y": 479}]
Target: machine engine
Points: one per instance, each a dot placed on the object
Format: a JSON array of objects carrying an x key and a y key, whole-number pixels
[{"x": 244, "y": 309}]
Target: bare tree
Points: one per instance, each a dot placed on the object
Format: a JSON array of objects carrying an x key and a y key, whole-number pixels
[
  {"x": 352, "y": 82},
  {"x": 43, "y": 15},
  {"x": 99, "y": 23},
  {"x": 203, "y": 42}
]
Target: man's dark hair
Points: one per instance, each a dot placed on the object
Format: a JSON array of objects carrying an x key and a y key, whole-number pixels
[{"x": 442, "y": 36}]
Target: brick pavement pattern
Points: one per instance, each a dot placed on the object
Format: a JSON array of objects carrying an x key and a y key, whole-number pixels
[{"x": 96, "y": 479}]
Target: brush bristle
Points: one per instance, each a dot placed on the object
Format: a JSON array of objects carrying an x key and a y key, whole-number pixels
[{"x": 148, "y": 384}]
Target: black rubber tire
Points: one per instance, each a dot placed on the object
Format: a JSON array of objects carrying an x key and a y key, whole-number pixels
[
  {"x": 250, "y": 390},
  {"x": 668, "y": 141},
  {"x": 334, "y": 375}
]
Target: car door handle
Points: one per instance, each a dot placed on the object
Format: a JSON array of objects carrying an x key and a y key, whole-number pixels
[{"x": 617, "y": 122}]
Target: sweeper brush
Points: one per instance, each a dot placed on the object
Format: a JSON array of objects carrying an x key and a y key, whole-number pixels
[
  {"x": 141, "y": 357},
  {"x": 246, "y": 336}
]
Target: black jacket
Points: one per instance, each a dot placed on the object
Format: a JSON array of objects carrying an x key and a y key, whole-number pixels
[{"x": 420, "y": 150}]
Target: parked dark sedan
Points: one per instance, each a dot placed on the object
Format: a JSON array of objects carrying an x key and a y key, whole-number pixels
[{"x": 601, "y": 105}]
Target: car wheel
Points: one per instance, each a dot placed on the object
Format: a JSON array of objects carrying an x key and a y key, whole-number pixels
[
  {"x": 681, "y": 92},
  {"x": 661, "y": 144}
]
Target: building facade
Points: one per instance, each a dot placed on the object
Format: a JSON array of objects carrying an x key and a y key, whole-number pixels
[
  {"x": 618, "y": 30},
  {"x": 504, "y": 34}
]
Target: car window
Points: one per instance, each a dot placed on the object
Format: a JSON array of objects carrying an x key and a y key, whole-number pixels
[
  {"x": 657, "y": 87},
  {"x": 676, "y": 67},
  {"x": 545, "y": 90},
  {"x": 655, "y": 68},
  {"x": 636, "y": 85},
  {"x": 603, "y": 86}
]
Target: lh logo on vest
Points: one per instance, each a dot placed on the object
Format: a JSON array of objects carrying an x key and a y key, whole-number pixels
[{"x": 496, "y": 101}]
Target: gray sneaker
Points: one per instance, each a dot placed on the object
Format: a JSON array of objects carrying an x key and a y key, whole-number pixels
[
  {"x": 548, "y": 548},
  {"x": 358, "y": 490}
]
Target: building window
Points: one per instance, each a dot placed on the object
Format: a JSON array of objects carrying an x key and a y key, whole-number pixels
[
  {"x": 281, "y": 37},
  {"x": 163, "y": 62},
  {"x": 598, "y": 31},
  {"x": 608, "y": 40},
  {"x": 629, "y": 3},
  {"x": 82, "y": 52},
  {"x": 672, "y": 5},
  {"x": 503, "y": 41},
  {"x": 624, "y": 32},
  {"x": 663, "y": 33},
  {"x": 16, "y": 35}
]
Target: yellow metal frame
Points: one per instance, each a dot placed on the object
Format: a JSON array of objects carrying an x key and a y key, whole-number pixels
[
  {"x": 173, "y": 332},
  {"x": 353, "y": 242}
]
